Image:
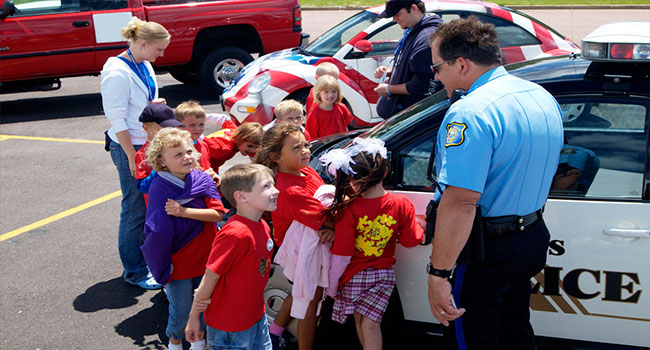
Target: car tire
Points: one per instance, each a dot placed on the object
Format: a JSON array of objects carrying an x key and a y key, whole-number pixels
[
  {"x": 301, "y": 97},
  {"x": 185, "y": 75},
  {"x": 221, "y": 66}
]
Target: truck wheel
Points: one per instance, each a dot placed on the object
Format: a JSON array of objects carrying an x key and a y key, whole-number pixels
[
  {"x": 184, "y": 75},
  {"x": 222, "y": 66}
]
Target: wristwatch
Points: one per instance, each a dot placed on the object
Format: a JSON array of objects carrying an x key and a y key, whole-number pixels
[
  {"x": 388, "y": 91},
  {"x": 437, "y": 272}
]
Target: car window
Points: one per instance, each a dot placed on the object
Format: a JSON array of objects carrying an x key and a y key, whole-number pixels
[
  {"x": 508, "y": 33},
  {"x": 45, "y": 7},
  {"x": 414, "y": 160},
  {"x": 97, "y": 5},
  {"x": 384, "y": 41},
  {"x": 330, "y": 42},
  {"x": 448, "y": 17},
  {"x": 605, "y": 149}
]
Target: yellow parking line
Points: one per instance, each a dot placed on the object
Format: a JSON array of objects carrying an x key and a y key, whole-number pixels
[
  {"x": 59, "y": 216},
  {"x": 6, "y": 137}
]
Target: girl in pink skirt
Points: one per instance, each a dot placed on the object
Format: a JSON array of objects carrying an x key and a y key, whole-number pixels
[{"x": 369, "y": 222}]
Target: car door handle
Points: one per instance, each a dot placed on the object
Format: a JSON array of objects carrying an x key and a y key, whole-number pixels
[
  {"x": 80, "y": 24},
  {"x": 624, "y": 232}
]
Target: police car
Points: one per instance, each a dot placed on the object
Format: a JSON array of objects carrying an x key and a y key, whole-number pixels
[
  {"x": 362, "y": 43},
  {"x": 595, "y": 287}
]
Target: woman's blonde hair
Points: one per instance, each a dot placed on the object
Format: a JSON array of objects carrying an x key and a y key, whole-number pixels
[
  {"x": 149, "y": 31},
  {"x": 327, "y": 82},
  {"x": 169, "y": 138},
  {"x": 272, "y": 144}
]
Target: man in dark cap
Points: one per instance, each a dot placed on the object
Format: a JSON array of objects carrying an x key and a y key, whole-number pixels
[{"x": 410, "y": 77}]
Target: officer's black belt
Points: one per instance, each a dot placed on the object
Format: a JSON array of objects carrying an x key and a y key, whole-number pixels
[{"x": 505, "y": 225}]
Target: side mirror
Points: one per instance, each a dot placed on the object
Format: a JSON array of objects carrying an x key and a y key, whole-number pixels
[
  {"x": 363, "y": 46},
  {"x": 7, "y": 9}
]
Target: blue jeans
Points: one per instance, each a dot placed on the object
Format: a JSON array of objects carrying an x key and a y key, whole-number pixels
[
  {"x": 255, "y": 338},
  {"x": 180, "y": 294},
  {"x": 130, "y": 238}
]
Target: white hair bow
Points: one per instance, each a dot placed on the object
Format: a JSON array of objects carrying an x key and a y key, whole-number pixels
[
  {"x": 338, "y": 159},
  {"x": 341, "y": 159},
  {"x": 372, "y": 146}
]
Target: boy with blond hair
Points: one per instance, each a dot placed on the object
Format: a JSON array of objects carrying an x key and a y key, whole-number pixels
[
  {"x": 193, "y": 116},
  {"x": 238, "y": 266},
  {"x": 289, "y": 111}
]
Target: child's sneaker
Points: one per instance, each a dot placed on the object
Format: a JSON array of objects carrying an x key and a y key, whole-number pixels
[{"x": 278, "y": 342}]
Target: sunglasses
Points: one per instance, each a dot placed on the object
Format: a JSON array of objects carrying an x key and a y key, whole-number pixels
[{"x": 436, "y": 67}]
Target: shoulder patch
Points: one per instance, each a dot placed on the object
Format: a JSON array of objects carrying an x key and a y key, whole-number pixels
[{"x": 455, "y": 134}]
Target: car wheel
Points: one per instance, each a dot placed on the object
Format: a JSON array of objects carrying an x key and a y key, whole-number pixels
[
  {"x": 185, "y": 75},
  {"x": 277, "y": 290},
  {"x": 300, "y": 96},
  {"x": 222, "y": 66}
]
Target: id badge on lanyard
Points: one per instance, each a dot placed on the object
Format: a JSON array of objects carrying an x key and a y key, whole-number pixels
[{"x": 151, "y": 89}]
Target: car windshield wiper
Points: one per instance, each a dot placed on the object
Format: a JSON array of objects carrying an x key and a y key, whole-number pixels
[{"x": 302, "y": 51}]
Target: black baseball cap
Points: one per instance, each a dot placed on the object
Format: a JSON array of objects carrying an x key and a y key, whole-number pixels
[
  {"x": 159, "y": 113},
  {"x": 394, "y": 6}
]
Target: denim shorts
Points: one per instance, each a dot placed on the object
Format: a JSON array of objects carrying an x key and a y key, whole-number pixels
[{"x": 255, "y": 338}]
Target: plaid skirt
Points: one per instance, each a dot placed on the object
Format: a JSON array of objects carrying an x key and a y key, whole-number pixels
[{"x": 366, "y": 293}]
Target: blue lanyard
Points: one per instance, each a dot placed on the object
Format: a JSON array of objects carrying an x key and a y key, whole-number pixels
[
  {"x": 401, "y": 42},
  {"x": 144, "y": 77}
]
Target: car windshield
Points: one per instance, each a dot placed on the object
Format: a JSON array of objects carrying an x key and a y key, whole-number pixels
[
  {"x": 330, "y": 42},
  {"x": 435, "y": 105},
  {"x": 403, "y": 120}
]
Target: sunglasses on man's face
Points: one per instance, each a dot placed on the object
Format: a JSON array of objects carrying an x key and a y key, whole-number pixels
[{"x": 436, "y": 67}]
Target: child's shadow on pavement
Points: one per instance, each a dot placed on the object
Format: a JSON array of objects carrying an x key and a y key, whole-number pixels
[
  {"x": 111, "y": 294},
  {"x": 116, "y": 294},
  {"x": 147, "y": 322}
]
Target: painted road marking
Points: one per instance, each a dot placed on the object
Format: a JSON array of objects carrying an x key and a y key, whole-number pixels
[
  {"x": 59, "y": 216},
  {"x": 54, "y": 139}
]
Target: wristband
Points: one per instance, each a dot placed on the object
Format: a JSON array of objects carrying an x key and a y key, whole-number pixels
[
  {"x": 388, "y": 91},
  {"x": 437, "y": 272}
]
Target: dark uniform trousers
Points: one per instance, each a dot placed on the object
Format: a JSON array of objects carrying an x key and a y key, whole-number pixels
[{"x": 496, "y": 293}]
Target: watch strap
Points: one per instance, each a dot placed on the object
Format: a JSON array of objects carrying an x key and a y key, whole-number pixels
[{"x": 438, "y": 272}]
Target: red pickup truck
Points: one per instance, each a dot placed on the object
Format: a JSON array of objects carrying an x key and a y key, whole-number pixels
[{"x": 44, "y": 40}]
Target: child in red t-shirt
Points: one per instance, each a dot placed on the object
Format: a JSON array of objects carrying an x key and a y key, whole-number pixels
[
  {"x": 192, "y": 117},
  {"x": 330, "y": 115},
  {"x": 184, "y": 206},
  {"x": 238, "y": 266},
  {"x": 325, "y": 68},
  {"x": 285, "y": 150},
  {"x": 369, "y": 222},
  {"x": 153, "y": 118},
  {"x": 225, "y": 143}
]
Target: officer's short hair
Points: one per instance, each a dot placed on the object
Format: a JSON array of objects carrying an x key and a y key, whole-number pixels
[{"x": 469, "y": 38}]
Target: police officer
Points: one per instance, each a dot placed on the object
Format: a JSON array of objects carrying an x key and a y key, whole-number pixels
[{"x": 498, "y": 147}]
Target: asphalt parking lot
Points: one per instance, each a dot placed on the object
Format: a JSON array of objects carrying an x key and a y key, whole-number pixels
[{"x": 59, "y": 210}]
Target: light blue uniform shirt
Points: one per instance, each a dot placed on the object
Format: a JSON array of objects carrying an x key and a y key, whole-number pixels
[{"x": 503, "y": 139}]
